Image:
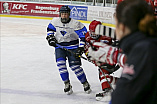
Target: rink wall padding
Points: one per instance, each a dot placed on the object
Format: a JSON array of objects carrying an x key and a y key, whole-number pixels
[{"x": 84, "y": 14}]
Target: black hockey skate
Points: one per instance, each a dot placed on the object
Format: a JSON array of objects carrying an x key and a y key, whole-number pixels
[
  {"x": 87, "y": 87},
  {"x": 68, "y": 88},
  {"x": 106, "y": 92}
]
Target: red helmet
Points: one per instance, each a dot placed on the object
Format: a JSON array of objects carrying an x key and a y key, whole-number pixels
[
  {"x": 93, "y": 25},
  {"x": 92, "y": 29}
]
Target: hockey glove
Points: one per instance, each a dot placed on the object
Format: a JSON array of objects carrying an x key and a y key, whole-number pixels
[
  {"x": 79, "y": 52},
  {"x": 110, "y": 68},
  {"x": 104, "y": 53},
  {"x": 51, "y": 40}
]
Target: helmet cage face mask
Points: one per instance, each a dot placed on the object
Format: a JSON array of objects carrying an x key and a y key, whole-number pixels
[
  {"x": 93, "y": 35},
  {"x": 65, "y": 20},
  {"x": 64, "y": 9},
  {"x": 64, "y": 12}
]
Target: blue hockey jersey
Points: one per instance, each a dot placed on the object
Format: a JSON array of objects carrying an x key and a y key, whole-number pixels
[{"x": 70, "y": 35}]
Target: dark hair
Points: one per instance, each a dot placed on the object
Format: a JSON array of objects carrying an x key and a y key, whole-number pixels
[{"x": 137, "y": 15}]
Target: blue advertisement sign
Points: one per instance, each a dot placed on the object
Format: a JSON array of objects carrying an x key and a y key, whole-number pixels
[{"x": 78, "y": 12}]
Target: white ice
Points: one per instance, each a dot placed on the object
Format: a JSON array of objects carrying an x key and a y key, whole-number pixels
[{"x": 29, "y": 74}]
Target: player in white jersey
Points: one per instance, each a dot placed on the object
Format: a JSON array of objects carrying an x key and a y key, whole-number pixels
[{"x": 67, "y": 36}]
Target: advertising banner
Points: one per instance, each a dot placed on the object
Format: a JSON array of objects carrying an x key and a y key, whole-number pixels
[
  {"x": 103, "y": 14},
  {"x": 33, "y": 9},
  {"x": 78, "y": 12},
  {"x": 86, "y": 13}
]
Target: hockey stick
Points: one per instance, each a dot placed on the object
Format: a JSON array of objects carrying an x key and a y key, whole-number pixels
[
  {"x": 70, "y": 51},
  {"x": 89, "y": 61},
  {"x": 106, "y": 79}
]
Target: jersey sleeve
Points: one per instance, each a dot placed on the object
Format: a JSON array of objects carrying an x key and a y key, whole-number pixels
[
  {"x": 121, "y": 59},
  {"x": 105, "y": 39},
  {"x": 81, "y": 30},
  {"x": 51, "y": 28}
]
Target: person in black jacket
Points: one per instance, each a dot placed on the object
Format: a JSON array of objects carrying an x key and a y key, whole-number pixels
[{"x": 136, "y": 28}]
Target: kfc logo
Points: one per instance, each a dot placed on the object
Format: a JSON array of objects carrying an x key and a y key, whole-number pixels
[
  {"x": 19, "y": 6},
  {"x": 5, "y": 8}
]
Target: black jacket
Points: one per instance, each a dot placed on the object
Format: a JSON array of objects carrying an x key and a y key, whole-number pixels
[{"x": 138, "y": 82}]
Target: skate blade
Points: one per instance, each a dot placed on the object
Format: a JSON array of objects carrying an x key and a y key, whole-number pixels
[
  {"x": 69, "y": 92},
  {"x": 98, "y": 98},
  {"x": 88, "y": 91},
  {"x": 103, "y": 98}
]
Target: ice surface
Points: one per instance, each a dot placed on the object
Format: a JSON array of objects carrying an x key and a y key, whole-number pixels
[{"x": 28, "y": 70}]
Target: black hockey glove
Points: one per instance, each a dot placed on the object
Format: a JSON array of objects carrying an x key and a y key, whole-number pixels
[
  {"x": 79, "y": 52},
  {"x": 110, "y": 68},
  {"x": 51, "y": 40}
]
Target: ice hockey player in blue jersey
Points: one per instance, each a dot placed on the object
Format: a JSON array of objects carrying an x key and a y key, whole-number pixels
[{"x": 70, "y": 34}]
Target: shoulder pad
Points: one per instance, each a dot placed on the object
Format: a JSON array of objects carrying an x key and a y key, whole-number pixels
[
  {"x": 55, "y": 21},
  {"x": 77, "y": 24}
]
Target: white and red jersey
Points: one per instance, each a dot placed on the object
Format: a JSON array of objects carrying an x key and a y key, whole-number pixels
[
  {"x": 89, "y": 40},
  {"x": 104, "y": 39},
  {"x": 108, "y": 40}
]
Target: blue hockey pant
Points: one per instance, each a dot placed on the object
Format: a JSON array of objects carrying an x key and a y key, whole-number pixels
[{"x": 74, "y": 64}]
